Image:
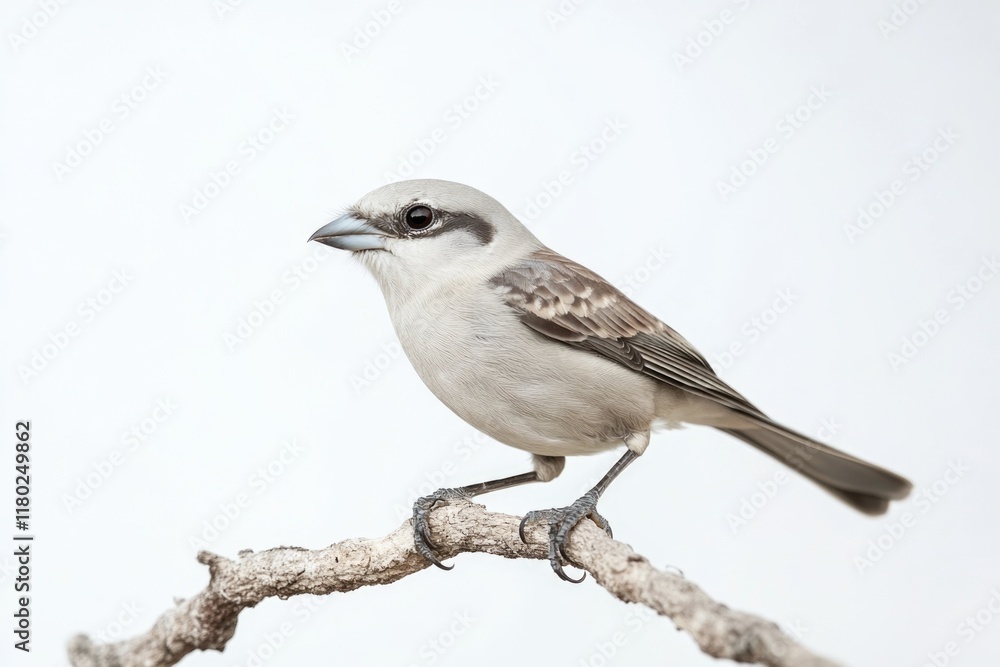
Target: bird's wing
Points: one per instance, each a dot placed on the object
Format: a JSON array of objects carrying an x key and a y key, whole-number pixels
[{"x": 568, "y": 302}]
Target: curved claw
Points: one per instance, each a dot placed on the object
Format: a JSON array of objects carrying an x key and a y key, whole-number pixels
[
  {"x": 555, "y": 550},
  {"x": 427, "y": 553},
  {"x": 424, "y": 532},
  {"x": 423, "y": 544},
  {"x": 432, "y": 558},
  {"x": 561, "y": 522},
  {"x": 562, "y": 550},
  {"x": 532, "y": 516},
  {"x": 565, "y": 577},
  {"x": 422, "y": 541}
]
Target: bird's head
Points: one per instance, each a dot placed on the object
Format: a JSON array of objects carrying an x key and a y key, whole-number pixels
[{"x": 426, "y": 230}]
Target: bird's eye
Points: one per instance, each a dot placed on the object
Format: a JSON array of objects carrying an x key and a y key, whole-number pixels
[{"x": 419, "y": 217}]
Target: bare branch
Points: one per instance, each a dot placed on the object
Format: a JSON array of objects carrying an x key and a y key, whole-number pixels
[{"x": 208, "y": 620}]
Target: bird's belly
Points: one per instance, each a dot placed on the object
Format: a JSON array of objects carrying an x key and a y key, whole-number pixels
[{"x": 535, "y": 394}]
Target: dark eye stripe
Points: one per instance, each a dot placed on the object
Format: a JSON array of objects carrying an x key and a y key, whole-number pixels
[{"x": 482, "y": 230}]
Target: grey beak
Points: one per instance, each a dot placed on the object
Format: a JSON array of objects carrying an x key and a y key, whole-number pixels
[{"x": 350, "y": 233}]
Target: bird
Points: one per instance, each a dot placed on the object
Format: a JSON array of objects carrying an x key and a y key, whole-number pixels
[{"x": 544, "y": 355}]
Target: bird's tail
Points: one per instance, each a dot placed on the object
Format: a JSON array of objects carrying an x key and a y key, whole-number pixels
[{"x": 864, "y": 486}]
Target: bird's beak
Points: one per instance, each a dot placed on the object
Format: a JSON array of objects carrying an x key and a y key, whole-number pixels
[{"x": 350, "y": 233}]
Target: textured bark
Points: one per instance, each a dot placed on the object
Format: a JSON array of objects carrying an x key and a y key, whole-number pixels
[{"x": 208, "y": 620}]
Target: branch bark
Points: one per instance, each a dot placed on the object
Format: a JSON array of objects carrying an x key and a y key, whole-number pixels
[{"x": 208, "y": 620}]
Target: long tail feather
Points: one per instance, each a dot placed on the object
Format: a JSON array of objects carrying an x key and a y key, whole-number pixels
[{"x": 862, "y": 485}]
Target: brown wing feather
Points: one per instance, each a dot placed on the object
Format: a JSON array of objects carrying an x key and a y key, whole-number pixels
[{"x": 568, "y": 302}]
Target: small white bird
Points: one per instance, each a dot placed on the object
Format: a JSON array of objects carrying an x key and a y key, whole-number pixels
[{"x": 542, "y": 354}]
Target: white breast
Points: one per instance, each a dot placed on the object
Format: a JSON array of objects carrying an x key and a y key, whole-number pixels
[{"x": 513, "y": 384}]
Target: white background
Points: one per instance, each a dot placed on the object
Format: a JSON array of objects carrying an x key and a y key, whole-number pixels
[{"x": 124, "y": 541}]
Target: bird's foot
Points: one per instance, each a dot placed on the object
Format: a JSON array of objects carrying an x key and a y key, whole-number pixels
[
  {"x": 561, "y": 521},
  {"x": 421, "y": 527}
]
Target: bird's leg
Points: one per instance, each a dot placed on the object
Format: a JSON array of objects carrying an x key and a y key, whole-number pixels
[
  {"x": 423, "y": 506},
  {"x": 562, "y": 520}
]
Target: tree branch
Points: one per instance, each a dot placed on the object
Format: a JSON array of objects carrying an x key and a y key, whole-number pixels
[{"x": 208, "y": 620}]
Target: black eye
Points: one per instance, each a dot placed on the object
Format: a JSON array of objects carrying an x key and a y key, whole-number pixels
[{"x": 419, "y": 217}]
